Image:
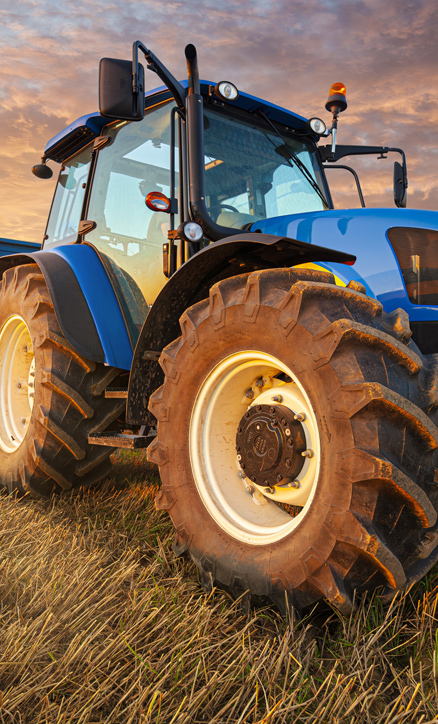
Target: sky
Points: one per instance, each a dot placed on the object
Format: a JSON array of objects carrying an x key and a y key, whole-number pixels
[{"x": 288, "y": 52}]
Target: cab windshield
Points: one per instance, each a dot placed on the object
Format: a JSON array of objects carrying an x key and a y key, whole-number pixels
[{"x": 250, "y": 173}]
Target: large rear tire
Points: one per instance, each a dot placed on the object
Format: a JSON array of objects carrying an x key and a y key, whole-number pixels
[
  {"x": 51, "y": 397},
  {"x": 295, "y": 454}
]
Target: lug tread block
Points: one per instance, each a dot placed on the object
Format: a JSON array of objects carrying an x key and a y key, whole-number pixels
[
  {"x": 107, "y": 418},
  {"x": 327, "y": 341},
  {"x": 251, "y": 298},
  {"x": 361, "y": 536},
  {"x": 359, "y": 466},
  {"x": 47, "y": 336},
  {"x": 105, "y": 380},
  {"x": 332, "y": 587},
  {"x": 290, "y": 307},
  {"x": 94, "y": 459},
  {"x": 217, "y": 307},
  {"x": 397, "y": 322},
  {"x": 157, "y": 453},
  {"x": 167, "y": 360},
  {"x": 100, "y": 474},
  {"x": 355, "y": 301},
  {"x": 188, "y": 331},
  {"x": 61, "y": 435},
  {"x": 164, "y": 500},
  {"x": 356, "y": 286},
  {"x": 53, "y": 474},
  {"x": 157, "y": 407},
  {"x": 348, "y": 400},
  {"x": 62, "y": 388},
  {"x": 182, "y": 540}
]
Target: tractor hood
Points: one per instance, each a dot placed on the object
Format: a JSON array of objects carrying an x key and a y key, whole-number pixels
[{"x": 364, "y": 233}]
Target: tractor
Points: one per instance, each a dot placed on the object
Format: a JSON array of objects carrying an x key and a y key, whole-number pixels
[{"x": 197, "y": 294}]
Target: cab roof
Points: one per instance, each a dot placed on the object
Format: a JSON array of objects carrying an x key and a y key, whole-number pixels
[{"x": 84, "y": 129}]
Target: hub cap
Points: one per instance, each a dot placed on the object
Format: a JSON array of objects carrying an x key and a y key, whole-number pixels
[
  {"x": 17, "y": 382},
  {"x": 254, "y": 447}
]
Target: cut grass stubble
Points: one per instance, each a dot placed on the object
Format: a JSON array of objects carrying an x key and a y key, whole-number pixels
[{"x": 100, "y": 623}]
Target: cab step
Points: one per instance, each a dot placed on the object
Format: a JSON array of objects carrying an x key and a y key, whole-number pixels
[
  {"x": 120, "y": 393},
  {"x": 119, "y": 439}
]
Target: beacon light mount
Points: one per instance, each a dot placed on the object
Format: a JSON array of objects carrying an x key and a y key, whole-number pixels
[{"x": 336, "y": 103}]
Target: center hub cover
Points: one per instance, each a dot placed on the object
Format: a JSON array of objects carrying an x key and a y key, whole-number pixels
[{"x": 269, "y": 443}]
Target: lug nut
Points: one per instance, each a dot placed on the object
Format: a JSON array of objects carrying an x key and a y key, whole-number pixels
[
  {"x": 258, "y": 408},
  {"x": 288, "y": 462},
  {"x": 272, "y": 410},
  {"x": 284, "y": 422},
  {"x": 253, "y": 479},
  {"x": 307, "y": 453},
  {"x": 251, "y": 489},
  {"x": 279, "y": 478},
  {"x": 249, "y": 394},
  {"x": 277, "y": 398},
  {"x": 293, "y": 484},
  {"x": 290, "y": 442},
  {"x": 259, "y": 382},
  {"x": 300, "y": 417},
  {"x": 270, "y": 490}
]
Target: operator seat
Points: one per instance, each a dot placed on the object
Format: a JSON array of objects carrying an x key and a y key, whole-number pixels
[{"x": 235, "y": 219}]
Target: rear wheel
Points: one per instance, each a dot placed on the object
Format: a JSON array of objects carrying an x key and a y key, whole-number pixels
[
  {"x": 294, "y": 454},
  {"x": 51, "y": 397}
]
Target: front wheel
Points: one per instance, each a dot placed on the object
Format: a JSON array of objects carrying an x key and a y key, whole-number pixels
[{"x": 295, "y": 458}]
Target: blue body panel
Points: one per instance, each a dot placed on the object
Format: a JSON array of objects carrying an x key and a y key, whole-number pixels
[
  {"x": 10, "y": 246},
  {"x": 362, "y": 232},
  {"x": 102, "y": 301}
]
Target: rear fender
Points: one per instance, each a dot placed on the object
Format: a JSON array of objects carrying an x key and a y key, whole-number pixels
[
  {"x": 191, "y": 283},
  {"x": 85, "y": 304}
]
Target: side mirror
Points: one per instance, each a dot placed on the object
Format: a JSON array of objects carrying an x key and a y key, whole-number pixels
[
  {"x": 400, "y": 185},
  {"x": 116, "y": 97}
]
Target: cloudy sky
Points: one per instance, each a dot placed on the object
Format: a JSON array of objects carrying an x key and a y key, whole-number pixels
[{"x": 287, "y": 51}]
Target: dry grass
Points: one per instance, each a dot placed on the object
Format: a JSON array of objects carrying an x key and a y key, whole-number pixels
[{"x": 99, "y": 623}]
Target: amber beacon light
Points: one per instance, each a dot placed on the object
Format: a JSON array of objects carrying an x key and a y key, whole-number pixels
[{"x": 337, "y": 99}]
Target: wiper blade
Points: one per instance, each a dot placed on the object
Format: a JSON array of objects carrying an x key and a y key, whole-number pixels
[{"x": 289, "y": 154}]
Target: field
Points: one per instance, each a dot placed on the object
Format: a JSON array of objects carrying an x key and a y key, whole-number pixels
[{"x": 99, "y": 622}]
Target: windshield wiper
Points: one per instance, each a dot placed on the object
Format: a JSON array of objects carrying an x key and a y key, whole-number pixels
[{"x": 289, "y": 154}]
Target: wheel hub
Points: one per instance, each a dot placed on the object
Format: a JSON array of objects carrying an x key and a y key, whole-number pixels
[{"x": 269, "y": 445}]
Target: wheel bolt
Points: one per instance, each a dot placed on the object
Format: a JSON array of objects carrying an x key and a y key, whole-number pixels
[
  {"x": 307, "y": 453},
  {"x": 284, "y": 422},
  {"x": 270, "y": 490},
  {"x": 272, "y": 410},
  {"x": 290, "y": 442},
  {"x": 293, "y": 484},
  {"x": 258, "y": 408},
  {"x": 277, "y": 398},
  {"x": 253, "y": 479},
  {"x": 300, "y": 417},
  {"x": 249, "y": 394},
  {"x": 259, "y": 382},
  {"x": 288, "y": 462},
  {"x": 279, "y": 478}
]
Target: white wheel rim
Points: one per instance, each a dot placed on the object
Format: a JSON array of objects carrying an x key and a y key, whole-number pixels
[
  {"x": 17, "y": 382},
  {"x": 247, "y": 512}
]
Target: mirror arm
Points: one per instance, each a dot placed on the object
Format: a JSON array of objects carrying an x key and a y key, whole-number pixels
[{"x": 175, "y": 87}]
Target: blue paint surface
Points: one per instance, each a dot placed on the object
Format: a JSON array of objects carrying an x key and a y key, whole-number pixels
[
  {"x": 102, "y": 301},
  {"x": 10, "y": 246},
  {"x": 362, "y": 232}
]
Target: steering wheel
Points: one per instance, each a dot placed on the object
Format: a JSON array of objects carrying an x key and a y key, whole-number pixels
[{"x": 220, "y": 207}]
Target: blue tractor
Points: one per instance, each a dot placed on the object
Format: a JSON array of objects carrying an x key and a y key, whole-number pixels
[{"x": 197, "y": 294}]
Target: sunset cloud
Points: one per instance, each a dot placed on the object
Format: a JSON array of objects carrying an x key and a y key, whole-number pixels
[{"x": 288, "y": 53}]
